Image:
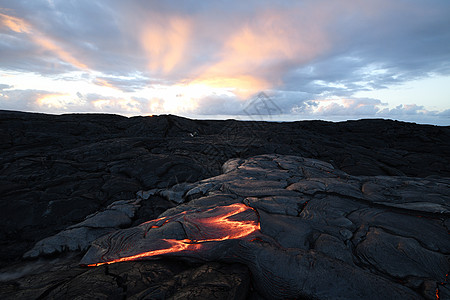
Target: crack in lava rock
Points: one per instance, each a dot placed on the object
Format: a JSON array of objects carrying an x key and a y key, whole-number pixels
[{"x": 184, "y": 232}]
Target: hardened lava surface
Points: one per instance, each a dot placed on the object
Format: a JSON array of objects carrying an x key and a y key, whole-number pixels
[
  {"x": 365, "y": 216},
  {"x": 294, "y": 227},
  {"x": 57, "y": 169}
]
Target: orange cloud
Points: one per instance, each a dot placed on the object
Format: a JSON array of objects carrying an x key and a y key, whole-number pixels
[
  {"x": 242, "y": 86},
  {"x": 21, "y": 26},
  {"x": 53, "y": 100},
  {"x": 274, "y": 38},
  {"x": 257, "y": 51},
  {"x": 50, "y": 45},
  {"x": 14, "y": 24},
  {"x": 255, "y": 56},
  {"x": 103, "y": 82},
  {"x": 165, "y": 43}
]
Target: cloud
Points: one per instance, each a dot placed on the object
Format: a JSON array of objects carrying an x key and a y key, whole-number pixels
[
  {"x": 357, "y": 108},
  {"x": 218, "y": 105},
  {"x": 4, "y": 87},
  {"x": 24, "y": 100},
  {"x": 255, "y": 55},
  {"x": 15, "y": 24},
  {"x": 41, "y": 41},
  {"x": 53, "y": 102},
  {"x": 100, "y": 103},
  {"x": 259, "y": 39},
  {"x": 343, "y": 107},
  {"x": 445, "y": 113},
  {"x": 165, "y": 42},
  {"x": 408, "y": 109},
  {"x": 218, "y": 54}
]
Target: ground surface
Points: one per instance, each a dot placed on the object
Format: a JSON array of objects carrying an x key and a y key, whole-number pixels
[{"x": 67, "y": 180}]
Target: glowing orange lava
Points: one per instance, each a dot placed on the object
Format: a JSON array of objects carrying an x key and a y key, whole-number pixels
[
  {"x": 175, "y": 246},
  {"x": 235, "y": 221}
]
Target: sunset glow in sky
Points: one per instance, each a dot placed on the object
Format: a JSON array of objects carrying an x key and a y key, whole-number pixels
[{"x": 321, "y": 59}]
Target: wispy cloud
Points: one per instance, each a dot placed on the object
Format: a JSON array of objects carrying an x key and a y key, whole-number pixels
[
  {"x": 164, "y": 42},
  {"x": 44, "y": 42},
  {"x": 15, "y": 24}
]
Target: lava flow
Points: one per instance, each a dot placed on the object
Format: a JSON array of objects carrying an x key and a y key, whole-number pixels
[{"x": 235, "y": 221}]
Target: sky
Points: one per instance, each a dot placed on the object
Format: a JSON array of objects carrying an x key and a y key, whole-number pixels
[{"x": 255, "y": 59}]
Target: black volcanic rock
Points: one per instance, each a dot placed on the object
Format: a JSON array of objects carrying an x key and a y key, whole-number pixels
[
  {"x": 341, "y": 243},
  {"x": 164, "y": 279},
  {"x": 56, "y": 171},
  {"x": 79, "y": 236}
]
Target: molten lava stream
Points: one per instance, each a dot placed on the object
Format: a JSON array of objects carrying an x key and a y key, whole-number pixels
[{"x": 235, "y": 221}]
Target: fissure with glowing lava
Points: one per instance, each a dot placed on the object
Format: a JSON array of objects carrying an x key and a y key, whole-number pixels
[{"x": 232, "y": 222}]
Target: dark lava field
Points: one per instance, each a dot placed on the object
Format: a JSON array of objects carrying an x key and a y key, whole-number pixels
[{"x": 98, "y": 206}]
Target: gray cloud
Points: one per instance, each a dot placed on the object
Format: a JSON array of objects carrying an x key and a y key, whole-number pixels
[
  {"x": 406, "y": 38},
  {"x": 445, "y": 114},
  {"x": 23, "y": 100},
  {"x": 126, "y": 84},
  {"x": 4, "y": 87}
]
